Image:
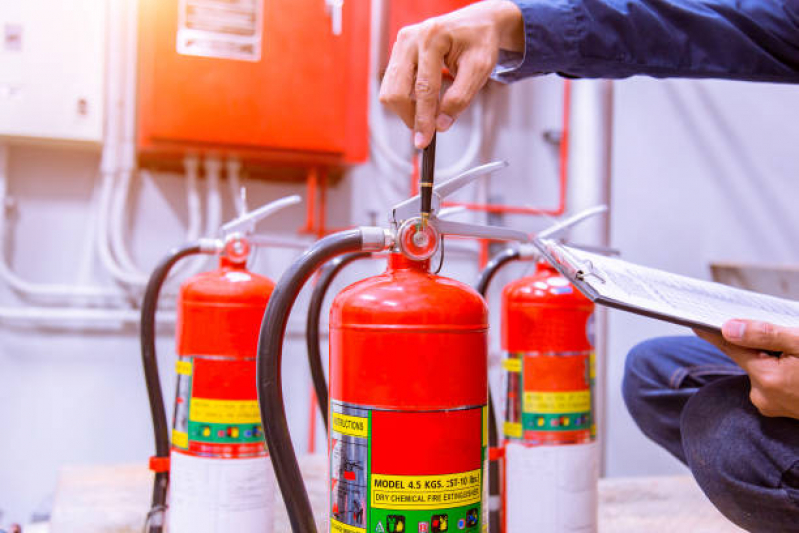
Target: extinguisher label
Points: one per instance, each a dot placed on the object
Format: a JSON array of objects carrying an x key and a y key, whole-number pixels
[
  {"x": 216, "y": 409},
  {"x": 396, "y": 471},
  {"x": 549, "y": 397},
  {"x": 352, "y": 426}
]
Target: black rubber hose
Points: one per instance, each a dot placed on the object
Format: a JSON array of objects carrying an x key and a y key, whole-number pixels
[
  {"x": 270, "y": 383},
  {"x": 312, "y": 338},
  {"x": 150, "y": 364},
  {"x": 488, "y": 273}
]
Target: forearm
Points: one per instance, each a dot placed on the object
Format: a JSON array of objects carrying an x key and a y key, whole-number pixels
[{"x": 729, "y": 39}]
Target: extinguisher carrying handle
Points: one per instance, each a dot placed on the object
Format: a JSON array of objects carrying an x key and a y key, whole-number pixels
[
  {"x": 270, "y": 353},
  {"x": 150, "y": 366},
  {"x": 312, "y": 337}
]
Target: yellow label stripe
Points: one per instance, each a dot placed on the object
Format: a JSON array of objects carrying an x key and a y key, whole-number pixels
[
  {"x": 512, "y": 430},
  {"x": 354, "y": 426},
  {"x": 183, "y": 368},
  {"x": 426, "y": 492},
  {"x": 557, "y": 402},
  {"x": 224, "y": 411},
  {"x": 180, "y": 439},
  {"x": 340, "y": 527},
  {"x": 512, "y": 365}
]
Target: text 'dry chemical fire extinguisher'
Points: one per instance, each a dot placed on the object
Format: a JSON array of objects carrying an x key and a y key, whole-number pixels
[
  {"x": 215, "y": 466},
  {"x": 408, "y": 382}
]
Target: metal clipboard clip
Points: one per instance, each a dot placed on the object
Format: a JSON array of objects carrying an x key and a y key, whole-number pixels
[{"x": 588, "y": 270}]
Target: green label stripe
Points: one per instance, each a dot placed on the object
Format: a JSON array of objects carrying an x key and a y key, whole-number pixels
[
  {"x": 556, "y": 422},
  {"x": 209, "y": 432}
]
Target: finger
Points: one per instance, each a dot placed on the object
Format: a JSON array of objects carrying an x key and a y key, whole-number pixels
[
  {"x": 396, "y": 91},
  {"x": 753, "y": 361},
  {"x": 472, "y": 73},
  {"x": 761, "y": 335},
  {"x": 432, "y": 50},
  {"x": 739, "y": 354}
]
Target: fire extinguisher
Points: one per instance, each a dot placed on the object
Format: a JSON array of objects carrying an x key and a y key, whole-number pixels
[
  {"x": 215, "y": 466},
  {"x": 550, "y": 458},
  {"x": 408, "y": 382}
]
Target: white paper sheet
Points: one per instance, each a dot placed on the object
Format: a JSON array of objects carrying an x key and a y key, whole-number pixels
[{"x": 662, "y": 294}]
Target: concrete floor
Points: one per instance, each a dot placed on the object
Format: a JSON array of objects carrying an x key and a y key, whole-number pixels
[{"x": 114, "y": 499}]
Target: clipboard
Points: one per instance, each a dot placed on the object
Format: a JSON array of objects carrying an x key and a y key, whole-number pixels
[{"x": 658, "y": 294}]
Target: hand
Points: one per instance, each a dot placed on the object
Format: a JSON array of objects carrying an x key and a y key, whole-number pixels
[
  {"x": 467, "y": 41},
  {"x": 775, "y": 380}
]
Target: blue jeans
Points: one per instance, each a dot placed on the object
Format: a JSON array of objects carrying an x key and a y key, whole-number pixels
[{"x": 693, "y": 400}]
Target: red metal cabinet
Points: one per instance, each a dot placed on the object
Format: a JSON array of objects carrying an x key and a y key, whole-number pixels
[{"x": 297, "y": 95}]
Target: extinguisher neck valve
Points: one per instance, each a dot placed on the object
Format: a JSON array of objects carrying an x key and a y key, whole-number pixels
[
  {"x": 211, "y": 246},
  {"x": 376, "y": 239},
  {"x": 528, "y": 251}
]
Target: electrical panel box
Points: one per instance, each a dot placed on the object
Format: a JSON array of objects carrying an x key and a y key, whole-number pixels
[
  {"x": 269, "y": 81},
  {"x": 52, "y": 60}
]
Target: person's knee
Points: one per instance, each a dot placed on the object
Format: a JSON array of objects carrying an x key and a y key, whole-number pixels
[
  {"x": 641, "y": 373},
  {"x": 717, "y": 428}
]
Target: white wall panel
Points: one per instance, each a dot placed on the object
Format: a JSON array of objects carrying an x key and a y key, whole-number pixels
[{"x": 52, "y": 57}]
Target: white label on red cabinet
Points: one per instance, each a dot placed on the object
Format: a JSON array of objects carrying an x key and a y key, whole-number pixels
[{"x": 227, "y": 30}]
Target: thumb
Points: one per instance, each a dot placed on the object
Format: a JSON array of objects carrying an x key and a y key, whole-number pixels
[{"x": 761, "y": 335}]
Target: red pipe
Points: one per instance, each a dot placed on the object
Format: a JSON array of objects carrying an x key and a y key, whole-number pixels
[
  {"x": 320, "y": 230},
  {"x": 312, "y": 424},
  {"x": 310, "y": 200}
]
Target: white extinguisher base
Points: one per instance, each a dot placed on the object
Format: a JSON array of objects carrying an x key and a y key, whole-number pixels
[
  {"x": 209, "y": 495},
  {"x": 552, "y": 489}
]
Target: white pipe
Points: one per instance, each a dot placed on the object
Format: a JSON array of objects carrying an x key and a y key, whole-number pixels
[
  {"x": 192, "y": 165},
  {"x": 234, "y": 182},
  {"x": 121, "y": 192},
  {"x": 103, "y": 249},
  {"x": 475, "y": 141},
  {"x": 213, "y": 175},
  {"x": 128, "y": 143},
  {"x": 111, "y": 145},
  {"x": 378, "y": 139},
  {"x": 50, "y": 290},
  {"x": 590, "y": 143},
  {"x": 58, "y": 316}
]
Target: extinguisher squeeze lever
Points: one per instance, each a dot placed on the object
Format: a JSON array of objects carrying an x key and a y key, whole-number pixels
[{"x": 419, "y": 237}]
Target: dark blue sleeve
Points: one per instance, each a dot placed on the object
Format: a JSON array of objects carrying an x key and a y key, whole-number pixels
[{"x": 754, "y": 40}]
